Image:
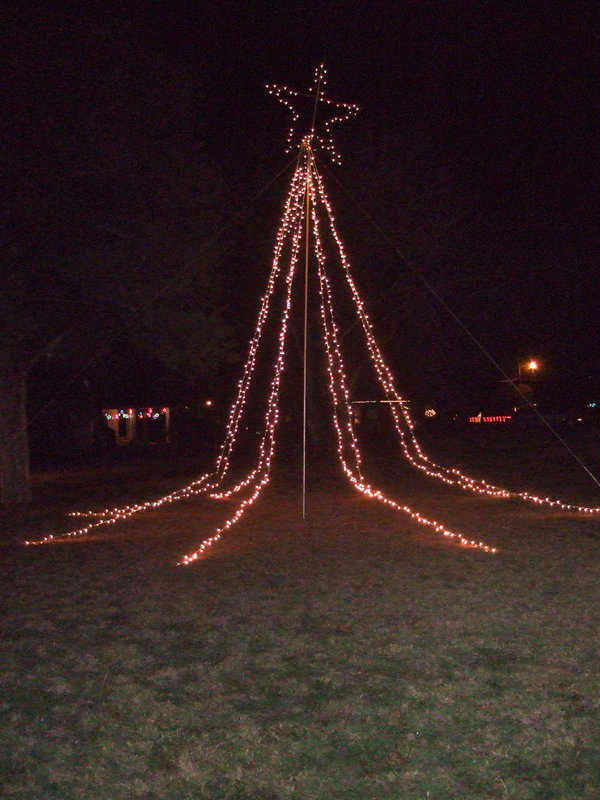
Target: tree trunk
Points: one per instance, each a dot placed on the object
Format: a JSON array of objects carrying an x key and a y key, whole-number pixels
[{"x": 15, "y": 486}]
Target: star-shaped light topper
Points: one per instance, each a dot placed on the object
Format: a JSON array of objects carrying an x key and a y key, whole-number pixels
[{"x": 324, "y": 113}]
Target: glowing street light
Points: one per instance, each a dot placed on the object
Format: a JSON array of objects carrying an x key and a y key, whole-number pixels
[{"x": 531, "y": 366}]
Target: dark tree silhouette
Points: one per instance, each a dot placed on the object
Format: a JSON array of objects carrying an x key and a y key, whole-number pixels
[{"x": 109, "y": 228}]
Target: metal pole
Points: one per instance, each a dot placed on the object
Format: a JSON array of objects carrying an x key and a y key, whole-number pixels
[
  {"x": 305, "y": 378},
  {"x": 309, "y": 154}
]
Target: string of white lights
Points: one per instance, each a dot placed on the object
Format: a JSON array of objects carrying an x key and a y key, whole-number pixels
[
  {"x": 406, "y": 434},
  {"x": 335, "y": 365},
  {"x": 290, "y": 233},
  {"x": 273, "y": 412},
  {"x": 345, "y": 436},
  {"x": 292, "y": 205},
  {"x": 292, "y": 209},
  {"x": 407, "y": 437},
  {"x": 336, "y": 375},
  {"x": 294, "y": 213}
]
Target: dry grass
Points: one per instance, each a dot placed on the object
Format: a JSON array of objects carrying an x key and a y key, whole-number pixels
[{"x": 353, "y": 656}]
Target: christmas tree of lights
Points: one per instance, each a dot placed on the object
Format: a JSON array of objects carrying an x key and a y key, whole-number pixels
[{"x": 307, "y": 223}]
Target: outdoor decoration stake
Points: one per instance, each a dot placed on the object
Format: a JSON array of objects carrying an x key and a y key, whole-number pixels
[
  {"x": 308, "y": 215},
  {"x": 305, "y": 354},
  {"x": 307, "y": 144}
]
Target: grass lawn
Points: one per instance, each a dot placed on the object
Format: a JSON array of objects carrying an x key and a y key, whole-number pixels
[{"x": 354, "y": 655}]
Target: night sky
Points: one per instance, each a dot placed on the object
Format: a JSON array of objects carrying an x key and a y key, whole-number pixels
[{"x": 501, "y": 93}]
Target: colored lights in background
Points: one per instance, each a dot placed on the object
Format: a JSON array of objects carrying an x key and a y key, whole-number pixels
[
  {"x": 132, "y": 413},
  {"x": 490, "y": 418}
]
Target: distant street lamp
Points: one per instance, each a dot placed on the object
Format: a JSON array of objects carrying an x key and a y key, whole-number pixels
[{"x": 532, "y": 366}]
